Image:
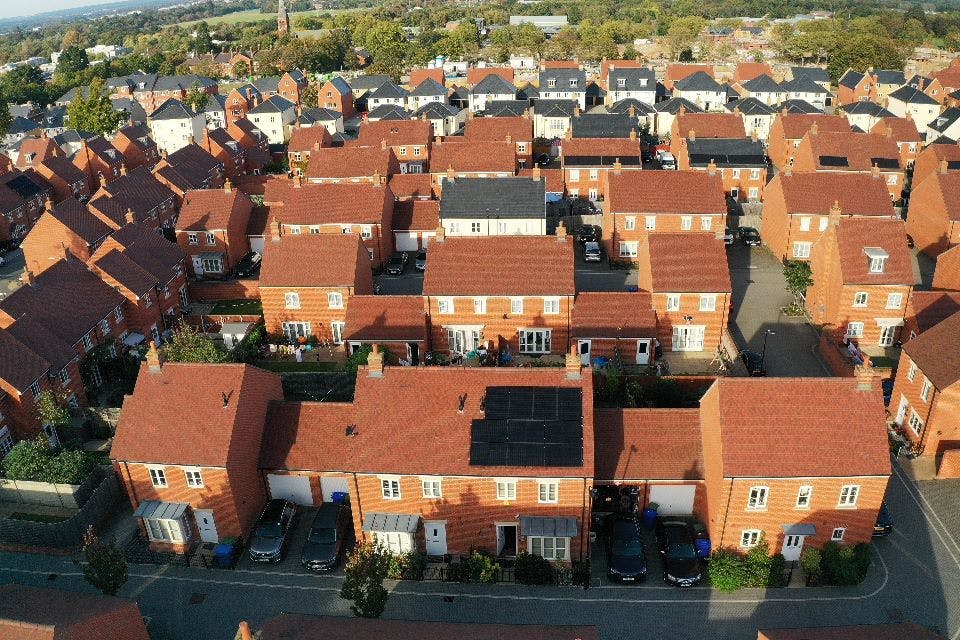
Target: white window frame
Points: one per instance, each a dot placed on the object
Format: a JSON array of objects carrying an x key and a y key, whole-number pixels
[
  {"x": 516, "y": 305},
  {"x": 158, "y": 477},
  {"x": 366, "y": 232},
  {"x": 804, "y": 496},
  {"x": 480, "y": 306},
  {"x": 750, "y": 538},
  {"x": 291, "y": 300},
  {"x": 390, "y": 487},
  {"x": 706, "y": 223},
  {"x": 673, "y": 302},
  {"x": 925, "y": 390},
  {"x": 894, "y": 300},
  {"x": 193, "y": 238},
  {"x": 686, "y": 223},
  {"x": 849, "y": 493},
  {"x": 628, "y": 249},
  {"x": 804, "y": 223},
  {"x": 506, "y": 490},
  {"x": 548, "y": 491},
  {"x": 193, "y": 477},
  {"x": 650, "y": 223},
  {"x": 6, "y": 441},
  {"x": 530, "y": 338},
  {"x": 334, "y": 300},
  {"x": 854, "y": 329},
  {"x": 167, "y": 530},
  {"x": 757, "y": 498},
  {"x": 708, "y": 302},
  {"x": 432, "y": 488},
  {"x": 838, "y": 534},
  {"x": 336, "y": 330},
  {"x": 877, "y": 264},
  {"x": 211, "y": 238},
  {"x": 475, "y": 227},
  {"x": 445, "y": 306},
  {"x": 630, "y": 223},
  {"x": 914, "y": 422},
  {"x": 549, "y": 547},
  {"x": 912, "y": 371},
  {"x": 551, "y": 306},
  {"x": 64, "y": 376},
  {"x": 860, "y": 299},
  {"x": 801, "y": 249}
]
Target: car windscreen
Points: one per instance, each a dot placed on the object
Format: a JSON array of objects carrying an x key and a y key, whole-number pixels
[
  {"x": 268, "y": 531},
  {"x": 627, "y": 548},
  {"x": 682, "y": 551},
  {"x": 323, "y": 536}
]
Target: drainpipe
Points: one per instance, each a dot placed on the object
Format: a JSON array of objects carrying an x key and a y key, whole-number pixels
[
  {"x": 133, "y": 487},
  {"x": 356, "y": 485},
  {"x": 583, "y": 514},
  {"x": 723, "y": 529}
]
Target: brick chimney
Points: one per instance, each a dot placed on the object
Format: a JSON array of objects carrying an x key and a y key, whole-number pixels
[
  {"x": 712, "y": 168},
  {"x": 633, "y": 134},
  {"x": 573, "y": 364},
  {"x": 377, "y": 179},
  {"x": 754, "y": 135},
  {"x": 438, "y": 140},
  {"x": 103, "y": 180},
  {"x": 274, "y": 229},
  {"x": 48, "y": 205},
  {"x": 536, "y": 173},
  {"x": 784, "y": 111},
  {"x": 617, "y": 166},
  {"x": 692, "y": 135},
  {"x": 375, "y": 363},
  {"x": 788, "y": 169},
  {"x": 297, "y": 181},
  {"x": 441, "y": 234},
  {"x": 632, "y": 111},
  {"x": 526, "y": 113},
  {"x": 682, "y": 110},
  {"x": 244, "y": 631},
  {"x": 130, "y": 217},
  {"x": 866, "y": 376},
  {"x": 814, "y": 129},
  {"x": 875, "y": 170},
  {"x": 227, "y": 186},
  {"x": 943, "y": 167},
  {"x": 123, "y": 169},
  {"x": 28, "y": 278},
  {"x": 383, "y": 143},
  {"x": 888, "y": 132},
  {"x": 154, "y": 362},
  {"x": 509, "y": 138},
  {"x": 450, "y": 175},
  {"x": 561, "y": 233},
  {"x": 835, "y": 212}
]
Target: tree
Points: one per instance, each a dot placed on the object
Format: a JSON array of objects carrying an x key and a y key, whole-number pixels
[
  {"x": 202, "y": 40},
  {"x": 52, "y": 409},
  {"x": 310, "y": 95},
  {"x": 72, "y": 60},
  {"x": 364, "y": 574},
  {"x": 27, "y": 459},
  {"x": 683, "y": 33},
  {"x": 799, "y": 278},
  {"x": 189, "y": 345},
  {"x": 386, "y": 44},
  {"x": 71, "y": 38},
  {"x": 104, "y": 566},
  {"x": 863, "y": 50},
  {"x": 5, "y": 118},
  {"x": 240, "y": 70},
  {"x": 95, "y": 112},
  {"x": 196, "y": 98}
]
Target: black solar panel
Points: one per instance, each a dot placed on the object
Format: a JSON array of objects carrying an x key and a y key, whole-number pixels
[
  {"x": 834, "y": 161},
  {"x": 886, "y": 163},
  {"x": 953, "y": 164},
  {"x": 24, "y": 187}
]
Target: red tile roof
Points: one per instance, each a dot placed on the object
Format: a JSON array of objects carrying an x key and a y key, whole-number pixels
[
  {"x": 207, "y": 209},
  {"x": 519, "y": 129},
  {"x": 553, "y": 178},
  {"x": 411, "y": 185},
  {"x": 35, "y": 613},
  {"x": 796, "y": 125},
  {"x": 385, "y": 318},
  {"x": 771, "y": 435},
  {"x": 687, "y": 262},
  {"x": 679, "y": 71},
  {"x": 416, "y": 215},
  {"x": 257, "y": 224},
  {"x": 749, "y": 70},
  {"x": 856, "y": 234},
  {"x": 313, "y": 260},
  {"x": 349, "y": 162},
  {"x": 937, "y": 352},
  {"x": 395, "y": 132},
  {"x": 948, "y": 185},
  {"x": 606, "y": 147},
  {"x": 648, "y": 444},
  {"x": 177, "y": 416},
  {"x": 613, "y": 315},
  {"x": 710, "y": 125},
  {"x": 304, "y": 138},
  {"x": 929, "y": 308},
  {"x": 473, "y": 156},
  {"x": 859, "y": 149},
  {"x": 419, "y": 75},
  {"x": 475, "y": 74},
  {"x": 902, "y": 129},
  {"x": 643, "y": 192},
  {"x": 858, "y": 194},
  {"x": 35, "y": 150},
  {"x": 502, "y": 265},
  {"x": 348, "y": 202}
]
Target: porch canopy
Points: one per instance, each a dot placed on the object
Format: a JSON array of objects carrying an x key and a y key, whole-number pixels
[
  {"x": 133, "y": 339},
  {"x": 799, "y": 530},
  {"x": 391, "y": 522},
  {"x": 550, "y": 527},
  {"x": 157, "y": 510}
]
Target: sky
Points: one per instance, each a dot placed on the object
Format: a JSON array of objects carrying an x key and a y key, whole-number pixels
[{"x": 11, "y": 9}]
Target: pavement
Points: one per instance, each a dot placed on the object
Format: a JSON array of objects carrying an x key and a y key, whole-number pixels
[{"x": 915, "y": 577}]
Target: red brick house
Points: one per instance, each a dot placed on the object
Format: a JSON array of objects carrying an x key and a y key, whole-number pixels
[
  {"x": 612, "y": 325},
  {"x": 307, "y": 281},
  {"x": 946, "y": 275},
  {"x": 337, "y": 95},
  {"x": 136, "y": 146},
  {"x": 201, "y": 485},
  {"x": 227, "y": 151},
  {"x": 926, "y": 393},
  {"x": 33, "y": 151},
  {"x": 930, "y": 161},
  {"x": 704, "y": 125},
  {"x": 212, "y": 230},
  {"x": 69, "y": 225},
  {"x": 409, "y": 140},
  {"x": 191, "y": 167},
  {"x": 23, "y": 197},
  {"x": 303, "y": 140},
  {"x": 471, "y": 159},
  {"x": 415, "y": 223},
  {"x": 926, "y": 309},
  {"x": 515, "y": 129},
  {"x": 852, "y": 152},
  {"x": 351, "y": 164},
  {"x": 797, "y": 207},
  {"x": 139, "y": 193},
  {"x": 933, "y": 220},
  {"x": 862, "y": 277},
  {"x": 99, "y": 160},
  {"x": 904, "y": 132},
  {"x": 511, "y": 293},
  {"x": 741, "y": 164},
  {"x": 791, "y": 499},
  {"x": 587, "y": 162},
  {"x": 35, "y": 613},
  {"x": 65, "y": 178},
  {"x": 636, "y": 207},
  {"x": 399, "y": 324},
  {"x": 788, "y": 129}
]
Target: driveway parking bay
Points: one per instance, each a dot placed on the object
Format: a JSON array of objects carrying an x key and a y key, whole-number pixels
[{"x": 290, "y": 564}]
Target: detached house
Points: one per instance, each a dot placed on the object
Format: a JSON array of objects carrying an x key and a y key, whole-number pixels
[
  {"x": 757, "y": 117},
  {"x": 274, "y": 117},
  {"x": 427, "y": 91},
  {"x": 638, "y": 83},
  {"x": 862, "y": 277},
  {"x": 337, "y": 95},
  {"x": 492, "y": 88},
  {"x": 852, "y": 152},
  {"x": 702, "y": 90},
  {"x": 552, "y": 119},
  {"x": 809, "y": 90},
  {"x": 191, "y": 167},
  {"x": 227, "y": 151},
  {"x": 493, "y": 207},
  {"x": 351, "y": 164},
  {"x": 136, "y": 146},
  {"x": 864, "y": 115},
  {"x": 511, "y": 294},
  {"x": 765, "y": 89},
  {"x": 174, "y": 125},
  {"x": 212, "y": 230},
  {"x": 564, "y": 84},
  {"x": 904, "y": 132},
  {"x": 202, "y": 484},
  {"x": 67, "y": 226},
  {"x": 387, "y": 94},
  {"x": 912, "y": 102},
  {"x": 933, "y": 220},
  {"x": 409, "y": 140}
]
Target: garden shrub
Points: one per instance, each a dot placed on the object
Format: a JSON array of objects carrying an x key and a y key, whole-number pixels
[
  {"x": 33, "y": 460},
  {"x": 810, "y": 559},
  {"x": 727, "y": 570},
  {"x": 845, "y": 566},
  {"x": 778, "y": 567},
  {"x": 531, "y": 569},
  {"x": 480, "y": 566},
  {"x": 407, "y": 566},
  {"x": 581, "y": 573},
  {"x": 67, "y": 467}
]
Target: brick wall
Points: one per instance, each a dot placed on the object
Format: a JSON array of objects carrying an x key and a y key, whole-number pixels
[
  {"x": 715, "y": 322},
  {"x": 232, "y": 290},
  {"x": 927, "y": 220},
  {"x": 946, "y": 276},
  {"x": 615, "y": 231},
  {"x": 314, "y": 308}
]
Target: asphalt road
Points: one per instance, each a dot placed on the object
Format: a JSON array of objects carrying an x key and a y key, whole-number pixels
[{"x": 915, "y": 577}]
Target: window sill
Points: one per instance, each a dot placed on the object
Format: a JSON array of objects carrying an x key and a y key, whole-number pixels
[{"x": 847, "y": 507}]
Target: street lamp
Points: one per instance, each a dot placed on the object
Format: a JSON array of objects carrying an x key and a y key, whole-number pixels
[{"x": 763, "y": 352}]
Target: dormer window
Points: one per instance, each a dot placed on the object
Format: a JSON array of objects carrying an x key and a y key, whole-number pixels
[
  {"x": 551, "y": 83},
  {"x": 621, "y": 82},
  {"x": 878, "y": 258},
  {"x": 573, "y": 83}
]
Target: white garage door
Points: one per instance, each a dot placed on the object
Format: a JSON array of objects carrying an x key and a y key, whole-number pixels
[
  {"x": 674, "y": 500},
  {"x": 293, "y": 488},
  {"x": 330, "y": 485},
  {"x": 256, "y": 244},
  {"x": 407, "y": 241}
]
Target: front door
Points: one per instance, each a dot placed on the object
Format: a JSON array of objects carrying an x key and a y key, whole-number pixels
[
  {"x": 436, "y": 538},
  {"x": 583, "y": 346},
  {"x": 688, "y": 338},
  {"x": 643, "y": 351},
  {"x": 506, "y": 540},
  {"x": 792, "y": 546},
  {"x": 413, "y": 353},
  {"x": 206, "y": 525},
  {"x": 902, "y": 410},
  {"x": 887, "y": 335},
  {"x": 198, "y": 265}
]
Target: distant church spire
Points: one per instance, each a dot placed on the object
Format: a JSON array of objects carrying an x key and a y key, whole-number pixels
[{"x": 283, "y": 18}]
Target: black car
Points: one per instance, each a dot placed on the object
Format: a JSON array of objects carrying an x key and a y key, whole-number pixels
[
  {"x": 750, "y": 236},
  {"x": 754, "y": 363},
  {"x": 589, "y": 233},
  {"x": 327, "y": 537},
  {"x": 397, "y": 263},
  {"x": 626, "y": 560},
  {"x": 910, "y": 243},
  {"x": 272, "y": 533},
  {"x": 249, "y": 264},
  {"x": 884, "y": 524},
  {"x": 681, "y": 566}
]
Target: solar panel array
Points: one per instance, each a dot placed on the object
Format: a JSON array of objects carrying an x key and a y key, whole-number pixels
[
  {"x": 886, "y": 163},
  {"x": 834, "y": 161},
  {"x": 529, "y": 427}
]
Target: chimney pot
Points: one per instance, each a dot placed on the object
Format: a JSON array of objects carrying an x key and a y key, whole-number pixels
[
  {"x": 130, "y": 217},
  {"x": 227, "y": 186},
  {"x": 245, "y": 633},
  {"x": 754, "y": 135},
  {"x": 712, "y": 168},
  {"x": 561, "y": 233},
  {"x": 632, "y": 111},
  {"x": 617, "y": 166},
  {"x": 154, "y": 363},
  {"x": 633, "y": 134},
  {"x": 943, "y": 166},
  {"x": 573, "y": 364},
  {"x": 48, "y": 205},
  {"x": 375, "y": 363},
  {"x": 692, "y": 135},
  {"x": 441, "y": 234},
  {"x": 536, "y": 172},
  {"x": 875, "y": 170},
  {"x": 274, "y": 229},
  {"x": 814, "y": 129},
  {"x": 28, "y": 277}
]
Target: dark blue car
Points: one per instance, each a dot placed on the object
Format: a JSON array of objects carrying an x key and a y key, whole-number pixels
[{"x": 626, "y": 559}]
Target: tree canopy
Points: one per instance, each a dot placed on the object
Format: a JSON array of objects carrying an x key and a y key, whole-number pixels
[{"x": 94, "y": 112}]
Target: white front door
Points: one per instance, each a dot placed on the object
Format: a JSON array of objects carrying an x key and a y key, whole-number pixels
[
  {"x": 643, "y": 351},
  {"x": 592, "y": 194},
  {"x": 688, "y": 337},
  {"x": 792, "y": 546},
  {"x": 902, "y": 410},
  {"x": 583, "y": 346},
  {"x": 887, "y": 335},
  {"x": 435, "y": 534},
  {"x": 198, "y": 265},
  {"x": 206, "y": 525}
]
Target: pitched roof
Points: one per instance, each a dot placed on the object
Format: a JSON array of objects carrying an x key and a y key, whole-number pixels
[
  {"x": 138, "y": 190},
  {"x": 623, "y": 106},
  {"x": 388, "y": 112},
  {"x": 648, "y": 444},
  {"x": 726, "y": 152},
  {"x": 349, "y": 162},
  {"x": 796, "y": 125},
  {"x": 492, "y": 198},
  {"x": 642, "y": 191},
  {"x": 208, "y": 209},
  {"x": 797, "y": 106},
  {"x": 634, "y": 79},
  {"x": 555, "y": 108},
  {"x": 858, "y": 194},
  {"x": 350, "y": 202},
  {"x": 803, "y": 85},
  {"x": 767, "y": 437},
  {"x": 172, "y": 109},
  {"x": 500, "y": 266},
  {"x": 416, "y": 215},
  {"x": 273, "y": 104},
  {"x": 902, "y": 129},
  {"x": 436, "y": 110},
  {"x": 674, "y": 105},
  {"x": 474, "y": 156},
  {"x": 698, "y": 81},
  {"x": 854, "y": 235},
  {"x": 849, "y": 151},
  {"x": 750, "y": 106},
  {"x": 929, "y": 308},
  {"x": 519, "y": 129},
  {"x": 150, "y": 251},
  {"x": 817, "y": 74},
  {"x": 187, "y": 399},
  {"x": 600, "y": 151},
  {"x": 745, "y": 71},
  {"x": 375, "y": 318},
  {"x": 867, "y": 108},
  {"x": 475, "y": 75},
  {"x": 912, "y": 95},
  {"x": 387, "y": 90},
  {"x": 35, "y": 613},
  {"x": 304, "y": 138},
  {"x": 429, "y": 87},
  {"x": 20, "y": 366},
  {"x": 850, "y": 79},
  {"x": 76, "y": 217},
  {"x": 687, "y": 262},
  {"x": 613, "y": 315},
  {"x": 937, "y": 352},
  {"x": 118, "y": 266},
  {"x": 677, "y": 71},
  {"x": 603, "y": 125},
  {"x": 367, "y": 82},
  {"x": 506, "y": 108},
  {"x": 762, "y": 84},
  {"x": 395, "y": 132},
  {"x": 710, "y": 125},
  {"x": 313, "y": 260},
  {"x": 493, "y": 84},
  {"x": 411, "y": 185}
]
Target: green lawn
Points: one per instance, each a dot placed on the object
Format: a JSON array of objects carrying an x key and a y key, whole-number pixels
[
  {"x": 237, "y": 307},
  {"x": 296, "y": 367},
  {"x": 36, "y": 517},
  {"x": 254, "y": 15}
]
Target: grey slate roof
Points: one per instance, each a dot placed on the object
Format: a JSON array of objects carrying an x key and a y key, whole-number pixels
[
  {"x": 387, "y": 90},
  {"x": 389, "y": 112},
  {"x": 698, "y": 81},
  {"x": 797, "y": 106},
  {"x": 887, "y": 76},
  {"x": 493, "y": 84},
  {"x": 633, "y": 79},
  {"x": 555, "y": 108},
  {"x": 172, "y": 110},
  {"x": 134, "y": 110},
  {"x": 868, "y": 108},
  {"x": 436, "y": 110},
  {"x": 945, "y": 119},
  {"x": 751, "y": 106},
  {"x": 623, "y": 106},
  {"x": 673, "y": 105},
  {"x": 815, "y": 74},
  {"x": 528, "y": 92},
  {"x": 215, "y": 102},
  {"x": 52, "y": 118},
  {"x": 274, "y": 104},
  {"x": 21, "y": 125},
  {"x": 562, "y": 77},
  {"x": 320, "y": 114},
  {"x": 267, "y": 83},
  {"x": 603, "y": 125},
  {"x": 493, "y": 198},
  {"x": 850, "y": 78},
  {"x": 368, "y": 83},
  {"x": 429, "y": 87},
  {"x": 341, "y": 85},
  {"x": 912, "y": 95},
  {"x": 803, "y": 85},
  {"x": 762, "y": 84},
  {"x": 726, "y": 152},
  {"x": 506, "y": 108}
]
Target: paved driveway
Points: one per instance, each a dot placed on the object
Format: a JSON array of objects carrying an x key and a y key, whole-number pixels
[{"x": 759, "y": 292}]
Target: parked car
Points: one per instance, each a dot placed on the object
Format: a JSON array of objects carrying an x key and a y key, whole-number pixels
[
  {"x": 646, "y": 156},
  {"x": 591, "y": 252},
  {"x": 588, "y": 233},
  {"x": 272, "y": 532},
  {"x": 754, "y": 363},
  {"x": 667, "y": 161},
  {"x": 750, "y": 236},
  {"x": 249, "y": 264},
  {"x": 626, "y": 560},
  {"x": 728, "y": 237},
  {"x": 681, "y": 566},
  {"x": 884, "y": 525},
  {"x": 420, "y": 264},
  {"x": 327, "y": 537},
  {"x": 910, "y": 243},
  {"x": 397, "y": 263}
]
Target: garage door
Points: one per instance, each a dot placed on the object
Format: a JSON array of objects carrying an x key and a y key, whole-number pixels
[
  {"x": 674, "y": 500},
  {"x": 330, "y": 485},
  {"x": 407, "y": 241},
  {"x": 293, "y": 488},
  {"x": 427, "y": 236},
  {"x": 256, "y": 243}
]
